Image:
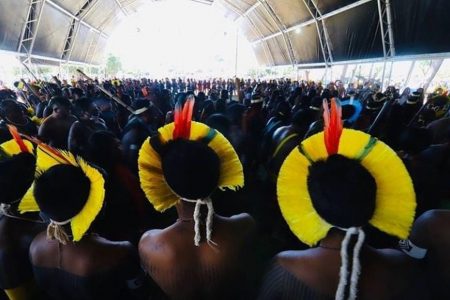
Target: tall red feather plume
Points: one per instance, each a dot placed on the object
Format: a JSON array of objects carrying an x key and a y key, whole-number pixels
[
  {"x": 16, "y": 136},
  {"x": 183, "y": 118},
  {"x": 333, "y": 126},
  {"x": 46, "y": 148}
]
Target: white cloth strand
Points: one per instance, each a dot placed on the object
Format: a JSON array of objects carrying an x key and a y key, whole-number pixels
[
  {"x": 356, "y": 267},
  {"x": 4, "y": 209},
  {"x": 55, "y": 231},
  {"x": 343, "y": 274},
  {"x": 209, "y": 220}
]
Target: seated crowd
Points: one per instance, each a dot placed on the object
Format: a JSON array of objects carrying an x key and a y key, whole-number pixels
[{"x": 223, "y": 189}]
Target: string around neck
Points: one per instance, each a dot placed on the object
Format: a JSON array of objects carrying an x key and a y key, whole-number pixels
[
  {"x": 356, "y": 265},
  {"x": 209, "y": 220}
]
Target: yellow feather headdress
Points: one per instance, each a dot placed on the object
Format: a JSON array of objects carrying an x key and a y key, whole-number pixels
[
  {"x": 151, "y": 173},
  {"x": 47, "y": 158},
  {"x": 395, "y": 196}
]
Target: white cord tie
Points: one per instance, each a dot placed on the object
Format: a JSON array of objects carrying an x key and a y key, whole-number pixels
[
  {"x": 356, "y": 265},
  {"x": 4, "y": 209},
  {"x": 209, "y": 220},
  {"x": 55, "y": 231}
]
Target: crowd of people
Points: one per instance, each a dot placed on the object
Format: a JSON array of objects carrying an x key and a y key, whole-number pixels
[{"x": 223, "y": 189}]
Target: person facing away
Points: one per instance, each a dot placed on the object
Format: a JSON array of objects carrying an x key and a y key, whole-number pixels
[
  {"x": 329, "y": 189},
  {"x": 55, "y": 129},
  {"x": 181, "y": 167},
  {"x": 429, "y": 244},
  {"x": 70, "y": 261},
  {"x": 17, "y": 167},
  {"x": 88, "y": 122}
]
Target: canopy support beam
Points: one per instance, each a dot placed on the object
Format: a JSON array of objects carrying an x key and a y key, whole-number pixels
[
  {"x": 30, "y": 29},
  {"x": 74, "y": 29},
  {"x": 81, "y": 20},
  {"x": 408, "y": 77},
  {"x": 281, "y": 28},
  {"x": 121, "y": 7},
  {"x": 255, "y": 30},
  {"x": 87, "y": 8},
  {"x": 324, "y": 39},
  {"x": 435, "y": 66},
  {"x": 312, "y": 21},
  {"x": 387, "y": 35},
  {"x": 245, "y": 13}
]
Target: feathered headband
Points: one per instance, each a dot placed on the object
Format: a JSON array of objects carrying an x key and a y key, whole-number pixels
[
  {"x": 151, "y": 172},
  {"x": 48, "y": 157},
  {"x": 395, "y": 198}
]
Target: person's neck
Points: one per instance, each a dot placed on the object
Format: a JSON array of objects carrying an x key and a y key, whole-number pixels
[
  {"x": 185, "y": 210},
  {"x": 333, "y": 240}
]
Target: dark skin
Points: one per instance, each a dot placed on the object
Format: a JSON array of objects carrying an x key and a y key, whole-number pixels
[
  {"x": 92, "y": 255},
  {"x": 81, "y": 130},
  {"x": 184, "y": 271},
  {"x": 15, "y": 239},
  {"x": 430, "y": 231},
  {"x": 55, "y": 129},
  {"x": 385, "y": 274}
]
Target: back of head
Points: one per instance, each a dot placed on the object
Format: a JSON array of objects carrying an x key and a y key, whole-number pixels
[
  {"x": 414, "y": 140},
  {"x": 61, "y": 192},
  {"x": 219, "y": 122},
  {"x": 104, "y": 149},
  {"x": 60, "y": 101},
  {"x": 82, "y": 105},
  {"x": 16, "y": 176},
  {"x": 342, "y": 191},
  {"x": 191, "y": 169}
]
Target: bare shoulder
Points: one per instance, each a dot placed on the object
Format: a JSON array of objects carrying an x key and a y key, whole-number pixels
[
  {"x": 39, "y": 248},
  {"x": 152, "y": 242},
  {"x": 430, "y": 223},
  {"x": 287, "y": 258},
  {"x": 243, "y": 219}
]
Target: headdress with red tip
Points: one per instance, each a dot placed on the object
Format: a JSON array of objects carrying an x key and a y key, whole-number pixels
[
  {"x": 333, "y": 126},
  {"x": 183, "y": 119},
  {"x": 50, "y": 151},
  {"x": 16, "y": 136}
]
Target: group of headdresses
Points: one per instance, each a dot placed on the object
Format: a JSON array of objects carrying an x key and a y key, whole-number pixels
[{"x": 187, "y": 161}]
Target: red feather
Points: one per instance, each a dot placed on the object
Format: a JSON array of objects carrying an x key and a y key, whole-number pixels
[
  {"x": 47, "y": 149},
  {"x": 183, "y": 118},
  {"x": 15, "y": 134},
  {"x": 333, "y": 126}
]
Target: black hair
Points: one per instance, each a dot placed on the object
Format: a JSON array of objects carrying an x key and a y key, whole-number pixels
[
  {"x": 317, "y": 102},
  {"x": 414, "y": 140},
  {"x": 191, "y": 168},
  {"x": 82, "y": 105},
  {"x": 348, "y": 111},
  {"x": 62, "y": 191},
  {"x": 342, "y": 191},
  {"x": 16, "y": 176},
  {"x": 103, "y": 149},
  {"x": 219, "y": 122},
  {"x": 7, "y": 105},
  {"x": 60, "y": 101}
]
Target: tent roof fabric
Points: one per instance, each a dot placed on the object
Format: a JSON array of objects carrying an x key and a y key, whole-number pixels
[{"x": 282, "y": 31}]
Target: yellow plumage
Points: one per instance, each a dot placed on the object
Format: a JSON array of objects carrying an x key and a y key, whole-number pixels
[
  {"x": 295, "y": 202},
  {"x": 81, "y": 222},
  {"x": 151, "y": 174},
  {"x": 12, "y": 148},
  {"x": 395, "y": 197}
]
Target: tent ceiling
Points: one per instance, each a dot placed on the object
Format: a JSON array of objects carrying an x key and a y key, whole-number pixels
[{"x": 281, "y": 31}]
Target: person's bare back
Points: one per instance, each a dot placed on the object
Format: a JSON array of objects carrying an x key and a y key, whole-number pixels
[
  {"x": 387, "y": 274},
  {"x": 184, "y": 271},
  {"x": 93, "y": 267}
]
